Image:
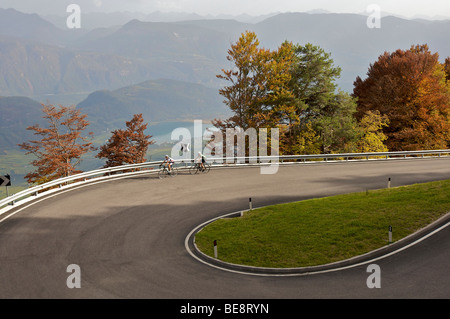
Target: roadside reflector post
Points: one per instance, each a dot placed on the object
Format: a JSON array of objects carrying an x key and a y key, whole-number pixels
[
  {"x": 250, "y": 203},
  {"x": 215, "y": 249},
  {"x": 389, "y": 182},
  {"x": 390, "y": 234}
]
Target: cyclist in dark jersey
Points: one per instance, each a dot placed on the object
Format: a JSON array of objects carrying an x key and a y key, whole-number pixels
[{"x": 201, "y": 160}]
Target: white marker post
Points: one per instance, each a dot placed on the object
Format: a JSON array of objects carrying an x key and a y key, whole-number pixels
[
  {"x": 250, "y": 203},
  {"x": 390, "y": 234},
  {"x": 389, "y": 182},
  {"x": 215, "y": 249}
]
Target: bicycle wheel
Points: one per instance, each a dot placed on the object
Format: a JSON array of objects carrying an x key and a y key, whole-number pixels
[
  {"x": 207, "y": 168},
  {"x": 173, "y": 172},
  {"x": 193, "y": 169},
  {"x": 162, "y": 173}
]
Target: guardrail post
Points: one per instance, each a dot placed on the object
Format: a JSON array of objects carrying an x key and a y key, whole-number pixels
[
  {"x": 215, "y": 249},
  {"x": 390, "y": 234}
]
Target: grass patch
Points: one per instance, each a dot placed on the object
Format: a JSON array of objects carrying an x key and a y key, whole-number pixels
[{"x": 319, "y": 231}]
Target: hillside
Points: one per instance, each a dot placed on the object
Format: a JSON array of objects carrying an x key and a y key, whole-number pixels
[
  {"x": 29, "y": 26},
  {"x": 38, "y": 58},
  {"x": 353, "y": 45},
  {"x": 17, "y": 113},
  {"x": 157, "y": 100},
  {"x": 31, "y": 68}
]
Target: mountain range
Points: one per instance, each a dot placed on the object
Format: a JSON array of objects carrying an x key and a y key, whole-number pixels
[
  {"x": 38, "y": 58},
  {"x": 158, "y": 100},
  {"x": 167, "y": 68}
]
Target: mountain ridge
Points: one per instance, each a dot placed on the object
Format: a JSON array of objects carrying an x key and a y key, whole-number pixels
[{"x": 159, "y": 100}]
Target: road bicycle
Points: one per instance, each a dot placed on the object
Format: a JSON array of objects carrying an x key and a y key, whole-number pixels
[
  {"x": 198, "y": 169},
  {"x": 164, "y": 172}
]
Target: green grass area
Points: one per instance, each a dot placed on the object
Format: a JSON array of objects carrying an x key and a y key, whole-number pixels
[
  {"x": 11, "y": 190},
  {"x": 321, "y": 231}
]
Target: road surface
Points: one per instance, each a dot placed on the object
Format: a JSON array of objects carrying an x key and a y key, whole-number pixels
[{"x": 128, "y": 235}]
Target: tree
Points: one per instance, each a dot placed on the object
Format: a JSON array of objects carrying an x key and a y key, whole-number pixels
[
  {"x": 305, "y": 142},
  {"x": 313, "y": 81},
  {"x": 258, "y": 83},
  {"x": 411, "y": 88},
  {"x": 127, "y": 146},
  {"x": 292, "y": 88},
  {"x": 258, "y": 93},
  {"x": 317, "y": 104},
  {"x": 336, "y": 125},
  {"x": 447, "y": 69},
  {"x": 372, "y": 137},
  {"x": 61, "y": 147}
]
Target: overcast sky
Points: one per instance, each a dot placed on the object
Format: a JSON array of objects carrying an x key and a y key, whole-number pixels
[{"x": 408, "y": 8}]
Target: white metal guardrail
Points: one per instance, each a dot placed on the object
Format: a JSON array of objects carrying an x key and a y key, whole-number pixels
[{"x": 153, "y": 167}]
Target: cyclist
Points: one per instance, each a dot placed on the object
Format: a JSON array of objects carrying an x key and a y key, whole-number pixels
[
  {"x": 168, "y": 162},
  {"x": 201, "y": 160}
]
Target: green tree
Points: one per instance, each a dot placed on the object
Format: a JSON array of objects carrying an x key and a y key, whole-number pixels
[
  {"x": 337, "y": 126},
  {"x": 329, "y": 113}
]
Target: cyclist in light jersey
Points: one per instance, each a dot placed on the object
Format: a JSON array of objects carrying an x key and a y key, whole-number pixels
[
  {"x": 201, "y": 159},
  {"x": 168, "y": 162}
]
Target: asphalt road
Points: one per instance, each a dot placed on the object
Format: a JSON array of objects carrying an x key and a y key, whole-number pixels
[{"x": 128, "y": 236}]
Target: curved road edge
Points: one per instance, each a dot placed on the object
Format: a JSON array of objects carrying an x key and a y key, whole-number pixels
[{"x": 356, "y": 261}]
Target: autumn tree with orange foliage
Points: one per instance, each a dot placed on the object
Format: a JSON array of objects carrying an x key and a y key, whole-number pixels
[
  {"x": 61, "y": 147},
  {"x": 258, "y": 92},
  {"x": 127, "y": 146},
  {"x": 412, "y": 89}
]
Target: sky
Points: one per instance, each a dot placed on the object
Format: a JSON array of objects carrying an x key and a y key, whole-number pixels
[{"x": 406, "y": 8}]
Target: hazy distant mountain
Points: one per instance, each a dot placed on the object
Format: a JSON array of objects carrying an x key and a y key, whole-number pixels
[
  {"x": 163, "y": 41},
  {"x": 353, "y": 45},
  {"x": 29, "y": 26},
  {"x": 16, "y": 114},
  {"x": 32, "y": 27},
  {"x": 31, "y": 68},
  {"x": 38, "y": 58},
  {"x": 191, "y": 51},
  {"x": 157, "y": 100},
  {"x": 94, "y": 20}
]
